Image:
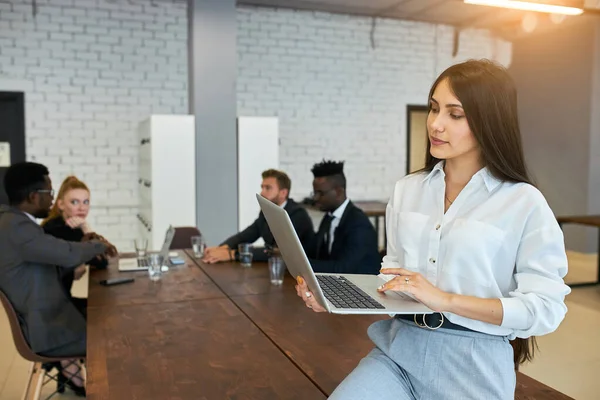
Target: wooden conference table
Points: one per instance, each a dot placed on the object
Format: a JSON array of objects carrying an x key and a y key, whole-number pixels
[{"x": 222, "y": 332}]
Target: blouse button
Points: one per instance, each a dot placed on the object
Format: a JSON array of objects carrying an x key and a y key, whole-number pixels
[
  {"x": 432, "y": 260},
  {"x": 437, "y": 227}
]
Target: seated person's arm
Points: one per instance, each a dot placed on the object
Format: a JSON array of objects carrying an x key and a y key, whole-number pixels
[
  {"x": 66, "y": 232},
  {"x": 79, "y": 272},
  {"x": 304, "y": 229},
  {"x": 226, "y": 250},
  {"x": 98, "y": 262},
  {"x": 360, "y": 241},
  {"x": 33, "y": 245}
]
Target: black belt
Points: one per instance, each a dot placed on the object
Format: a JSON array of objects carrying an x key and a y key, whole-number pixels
[{"x": 431, "y": 321}]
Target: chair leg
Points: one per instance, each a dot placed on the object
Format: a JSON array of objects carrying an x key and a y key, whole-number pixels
[
  {"x": 34, "y": 382},
  {"x": 39, "y": 381},
  {"x": 40, "y": 375},
  {"x": 28, "y": 386}
]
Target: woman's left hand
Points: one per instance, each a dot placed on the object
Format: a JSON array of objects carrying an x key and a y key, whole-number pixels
[{"x": 415, "y": 284}]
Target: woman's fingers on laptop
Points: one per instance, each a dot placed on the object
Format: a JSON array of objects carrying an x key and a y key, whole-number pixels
[
  {"x": 405, "y": 281},
  {"x": 303, "y": 291},
  {"x": 417, "y": 285},
  {"x": 397, "y": 271},
  {"x": 312, "y": 304}
]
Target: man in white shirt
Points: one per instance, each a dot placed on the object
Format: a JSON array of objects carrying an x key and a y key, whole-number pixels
[{"x": 346, "y": 241}]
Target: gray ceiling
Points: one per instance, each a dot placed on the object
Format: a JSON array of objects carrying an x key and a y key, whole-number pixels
[{"x": 504, "y": 22}]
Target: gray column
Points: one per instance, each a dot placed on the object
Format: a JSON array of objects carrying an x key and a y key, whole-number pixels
[
  {"x": 559, "y": 112},
  {"x": 212, "y": 100}
]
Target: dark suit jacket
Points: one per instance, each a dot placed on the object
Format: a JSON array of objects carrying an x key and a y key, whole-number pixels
[
  {"x": 58, "y": 228},
  {"x": 259, "y": 228},
  {"x": 29, "y": 278},
  {"x": 354, "y": 248}
]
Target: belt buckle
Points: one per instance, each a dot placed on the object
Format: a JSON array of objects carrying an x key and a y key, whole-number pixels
[{"x": 424, "y": 325}]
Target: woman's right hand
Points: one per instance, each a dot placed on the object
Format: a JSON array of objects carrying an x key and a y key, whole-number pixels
[
  {"x": 78, "y": 222},
  {"x": 75, "y": 222},
  {"x": 303, "y": 291}
]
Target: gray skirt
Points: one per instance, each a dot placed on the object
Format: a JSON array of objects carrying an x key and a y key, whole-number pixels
[{"x": 410, "y": 362}]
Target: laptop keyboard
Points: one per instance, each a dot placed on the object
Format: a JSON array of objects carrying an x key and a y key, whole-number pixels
[
  {"x": 143, "y": 263},
  {"x": 344, "y": 294}
]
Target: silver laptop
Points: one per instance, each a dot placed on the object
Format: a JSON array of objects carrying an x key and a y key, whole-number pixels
[
  {"x": 337, "y": 293},
  {"x": 136, "y": 264}
]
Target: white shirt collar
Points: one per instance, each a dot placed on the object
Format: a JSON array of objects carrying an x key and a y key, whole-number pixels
[
  {"x": 340, "y": 210},
  {"x": 31, "y": 217},
  {"x": 490, "y": 181},
  {"x": 284, "y": 204},
  {"x": 439, "y": 167}
]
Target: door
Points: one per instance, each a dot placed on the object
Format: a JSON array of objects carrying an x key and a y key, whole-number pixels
[
  {"x": 12, "y": 134},
  {"x": 416, "y": 137}
]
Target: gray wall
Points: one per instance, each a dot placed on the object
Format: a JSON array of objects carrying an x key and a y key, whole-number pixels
[
  {"x": 594, "y": 151},
  {"x": 553, "y": 73}
]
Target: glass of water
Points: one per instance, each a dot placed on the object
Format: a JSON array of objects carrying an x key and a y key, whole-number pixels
[
  {"x": 141, "y": 245},
  {"x": 155, "y": 262},
  {"x": 245, "y": 252},
  {"x": 276, "y": 270},
  {"x": 198, "y": 246}
]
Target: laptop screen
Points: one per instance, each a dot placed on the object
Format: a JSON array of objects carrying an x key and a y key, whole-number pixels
[{"x": 164, "y": 251}]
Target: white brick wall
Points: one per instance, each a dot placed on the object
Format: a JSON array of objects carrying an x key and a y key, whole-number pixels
[
  {"x": 92, "y": 69},
  {"x": 339, "y": 98}
]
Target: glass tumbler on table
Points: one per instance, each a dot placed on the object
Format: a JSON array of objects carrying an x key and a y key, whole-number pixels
[
  {"x": 198, "y": 246},
  {"x": 155, "y": 262},
  {"x": 276, "y": 270},
  {"x": 245, "y": 254}
]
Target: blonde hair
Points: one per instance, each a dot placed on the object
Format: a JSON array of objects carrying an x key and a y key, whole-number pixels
[{"x": 70, "y": 183}]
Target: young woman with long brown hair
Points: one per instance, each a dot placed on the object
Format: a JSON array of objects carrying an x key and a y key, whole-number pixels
[{"x": 470, "y": 237}]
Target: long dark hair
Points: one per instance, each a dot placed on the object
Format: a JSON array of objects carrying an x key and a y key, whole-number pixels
[{"x": 489, "y": 99}]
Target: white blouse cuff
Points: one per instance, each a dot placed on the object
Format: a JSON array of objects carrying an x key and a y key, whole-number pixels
[{"x": 515, "y": 314}]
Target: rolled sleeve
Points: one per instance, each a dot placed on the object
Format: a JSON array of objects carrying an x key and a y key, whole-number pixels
[{"x": 537, "y": 305}]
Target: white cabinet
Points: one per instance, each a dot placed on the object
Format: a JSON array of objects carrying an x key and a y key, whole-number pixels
[
  {"x": 167, "y": 171},
  {"x": 167, "y": 178}
]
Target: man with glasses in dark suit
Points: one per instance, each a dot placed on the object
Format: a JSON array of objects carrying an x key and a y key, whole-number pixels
[
  {"x": 346, "y": 241},
  {"x": 29, "y": 275}
]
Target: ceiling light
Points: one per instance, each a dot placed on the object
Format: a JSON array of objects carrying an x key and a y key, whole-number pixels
[
  {"x": 528, "y": 6},
  {"x": 529, "y": 22}
]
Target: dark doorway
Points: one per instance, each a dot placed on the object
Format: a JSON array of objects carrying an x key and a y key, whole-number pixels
[
  {"x": 416, "y": 137},
  {"x": 12, "y": 132}
]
